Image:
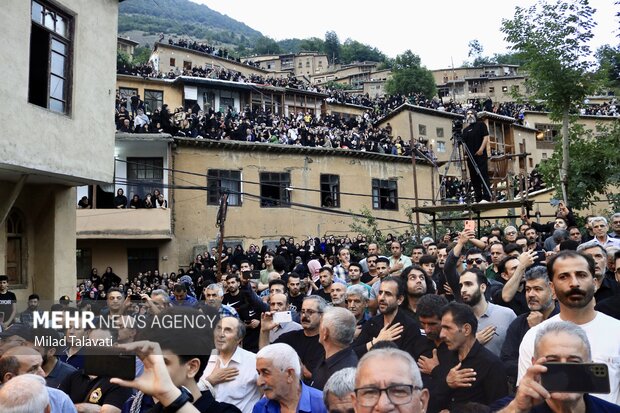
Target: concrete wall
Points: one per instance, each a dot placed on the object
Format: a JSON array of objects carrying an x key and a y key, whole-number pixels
[
  {"x": 194, "y": 220},
  {"x": 113, "y": 253},
  {"x": 77, "y": 147},
  {"x": 173, "y": 94},
  {"x": 48, "y": 243},
  {"x": 164, "y": 53},
  {"x": 405, "y": 128}
]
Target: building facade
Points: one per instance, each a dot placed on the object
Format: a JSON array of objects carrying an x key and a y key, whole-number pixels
[{"x": 60, "y": 85}]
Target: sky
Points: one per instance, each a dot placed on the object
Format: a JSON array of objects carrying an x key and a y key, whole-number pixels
[{"x": 436, "y": 31}]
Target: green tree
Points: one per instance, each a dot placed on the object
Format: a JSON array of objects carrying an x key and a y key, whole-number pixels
[
  {"x": 594, "y": 168},
  {"x": 552, "y": 39},
  {"x": 608, "y": 58},
  {"x": 354, "y": 51},
  {"x": 313, "y": 44},
  {"x": 266, "y": 45},
  {"x": 409, "y": 76},
  {"x": 332, "y": 47},
  {"x": 141, "y": 55},
  {"x": 122, "y": 59}
]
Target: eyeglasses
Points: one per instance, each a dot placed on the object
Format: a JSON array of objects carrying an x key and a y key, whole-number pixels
[
  {"x": 476, "y": 260},
  {"x": 310, "y": 312},
  {"x": 511, "y": 233},
  {"x": 397, "y": 394}
]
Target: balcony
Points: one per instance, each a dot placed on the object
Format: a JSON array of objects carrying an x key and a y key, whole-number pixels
[{"x": 124, "y": 224}]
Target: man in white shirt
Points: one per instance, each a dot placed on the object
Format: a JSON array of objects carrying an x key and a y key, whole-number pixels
[
  {"x": 231, "y": 374},
  {"x": 572, "y": 280}
]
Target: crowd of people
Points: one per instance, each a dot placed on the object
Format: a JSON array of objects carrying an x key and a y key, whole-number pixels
[{"x": 464, "y": 323}]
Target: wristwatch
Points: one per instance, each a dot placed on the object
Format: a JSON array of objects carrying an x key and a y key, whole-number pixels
[{"x": 184, "y": 397}]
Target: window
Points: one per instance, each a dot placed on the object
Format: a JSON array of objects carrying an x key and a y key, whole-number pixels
[
  {"x": 547, "y": 132},
  {"x": 50, "y": 58},
  {"x": 16, "y": 251},
  {"x": 84, "y": 262},
  {"x": 544, "y": 155},
  {"x": 514, "y": 88},
  {"x": 127, "y": 92},
  {"x": 441, "y": 146},
  {"x": 439, "y": 132},
  {"x": 187, "y": 65},
  {"x": 422, "y": 130},
  {"x": 142, "y": 260},
  {"x": 153, "y": 99},
  {"x": 273, "y": 189},
  {"x": 219, "y": 181},
  {"x": 385, "y": 194},
  {"x": 491, "y": 89},
  {"x": 504, "y": 89},
  {"x": 225, "y": 103},
  {"x": 144, "y": 175},
  {"x": 330, "y": 191},
  {"x": 173, "y": 62}
]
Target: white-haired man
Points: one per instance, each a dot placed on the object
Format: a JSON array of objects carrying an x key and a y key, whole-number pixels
[
  {"x": 599, "y": 228},
  {"x": 25, "y": 393},
  {"x": 335, "y": 335},
  {"x": 279, "y": 377},
  {"x": 338, "y": 391}
]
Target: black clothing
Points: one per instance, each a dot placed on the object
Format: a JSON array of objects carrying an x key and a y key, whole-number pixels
[
  {"x": 610, "y": 306},
  {"x": 59, "y": 374},
  {"x": 510, "y": 349},
  {"x": 411, "y": 340},
  {"x": 491, "y": 381},
  {"x": 321, "y": 293},
  {"x": 609, "y": 288},
  {"x": 82, "y": 389},
  {"x": 366, "y": 278},
  {"x": 206, "y": 403},
  {"x": 309, "y": 350},
  {"x": 341, "y": 360},
  {"x": 473, "y": 136},
  {"x": 518, "y": 304},
  {"x": 7, "y": 300},
  {"x": 295, "y": 302},
  {"x": 120, "y": 200}
]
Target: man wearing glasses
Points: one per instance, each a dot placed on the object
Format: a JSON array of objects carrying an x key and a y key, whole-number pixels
[
  {"x": 388, "y": 380},
  {"x": 305, "y": 342}
]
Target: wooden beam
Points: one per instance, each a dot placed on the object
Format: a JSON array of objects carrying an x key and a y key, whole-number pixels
[{"x": 6, "y": 206}]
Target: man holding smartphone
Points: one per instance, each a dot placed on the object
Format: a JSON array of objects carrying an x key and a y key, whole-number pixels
[
  {"x": 572, "y": 277},
  {"x": 558, "y": 342}
]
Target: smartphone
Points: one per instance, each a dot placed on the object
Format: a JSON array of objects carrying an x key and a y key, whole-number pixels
[
  {"x": 110, "y": 362},
  {"x": 282, "y": 317},
  {"x": 135, "y": 297},
  {"x": 246, "y": 274},
  {"x": 576, "y": 378},
  {"x": 470, "y": 225}
]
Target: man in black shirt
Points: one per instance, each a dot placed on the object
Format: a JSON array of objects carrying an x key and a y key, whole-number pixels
[
  {"x": 326, "y": 275},
  {"x": 295, "y": 296},
  {"x": 470, "y": 372},
  {"x": 8, "y": 303},
  {"x": 305, "y": 342},
  {"x": 335, "y": 335},
  {"x": 392, "y": 324},
  {"x": 476, "y": 138},
  {"x": 541, "y": 306}
]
